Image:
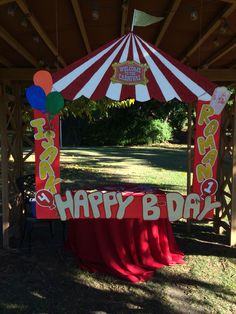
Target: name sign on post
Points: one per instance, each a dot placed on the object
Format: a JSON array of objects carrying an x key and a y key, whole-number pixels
[
  {"x": 206, "y": 146},
  {"x": 47, "y": 163}
]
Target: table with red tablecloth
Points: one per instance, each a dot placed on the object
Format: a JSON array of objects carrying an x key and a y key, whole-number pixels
[{"x": 129, "y": 248}]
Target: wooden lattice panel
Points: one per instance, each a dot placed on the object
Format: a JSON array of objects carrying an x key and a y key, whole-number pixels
[
  {"x": 11, "y": 164},
  {"x": 222, "y": 221}
]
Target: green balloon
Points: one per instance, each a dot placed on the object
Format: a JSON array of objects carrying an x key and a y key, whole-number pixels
[{"x": 54, "y": 103}]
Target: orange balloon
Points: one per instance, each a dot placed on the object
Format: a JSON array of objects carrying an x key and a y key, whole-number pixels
[{"x": 43, "y": 79}]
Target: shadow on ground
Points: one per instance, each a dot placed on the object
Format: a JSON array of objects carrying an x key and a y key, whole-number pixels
[
  {"x": 202, "y": 240},
  {"x": 49, "y": 280},
  {"x": 153, "y": 157}
]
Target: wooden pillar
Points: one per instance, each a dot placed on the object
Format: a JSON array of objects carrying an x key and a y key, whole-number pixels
[
  {"x": 189, "y": 156},
  {"x": 19, "y": 132},
  {"x": 233, "y": 210},
  {"x": 220, "y": 175},
  {"x": 4, "y": 171}
]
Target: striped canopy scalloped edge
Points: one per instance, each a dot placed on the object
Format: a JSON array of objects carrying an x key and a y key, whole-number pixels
[{"x": 167, "y": 78}]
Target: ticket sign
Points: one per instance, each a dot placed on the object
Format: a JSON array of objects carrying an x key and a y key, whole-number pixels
[
  {"x": 207, "y": 136},
  {"x": 219, "y": 99},
  {"x": 129, "y": 73}
]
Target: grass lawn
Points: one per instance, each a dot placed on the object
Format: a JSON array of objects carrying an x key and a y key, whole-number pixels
[
  {"x": 161, "y": 166},
  {"x": 49, "y": 280}
]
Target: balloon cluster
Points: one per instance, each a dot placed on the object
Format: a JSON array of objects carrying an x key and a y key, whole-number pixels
[{"x": 41, "y": 97}]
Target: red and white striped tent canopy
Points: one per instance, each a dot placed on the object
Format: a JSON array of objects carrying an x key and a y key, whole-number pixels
[{"x": 167, "y": 78}]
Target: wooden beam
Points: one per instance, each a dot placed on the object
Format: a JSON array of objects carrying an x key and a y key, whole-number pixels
[
  {"x": 231, "y": 65},
  {"x": 5, "y": 62},
  {"x": 6, "y": 1},
  {"x": 80, "y": 22},
  {"x": 26, "y": 74},
  {"x": 233, "y": 209},
  {"x": 125, "y": 8},
  {"x": 210, "y": 30},
  {"x": 219, "y": 75},
  {"x": 189, "y": 157},
  {"x": 168, "y": 21},
  {"x": 18, "y": 74},
  {"x": 229, "y": 1},
  {"x": 221, "y": 53},
  {"x": 17, "y": 46},
  {"x": 23, "y": 6}
]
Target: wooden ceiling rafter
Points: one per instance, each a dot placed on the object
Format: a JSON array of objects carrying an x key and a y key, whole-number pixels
[
  {"x": 168, "y": 20},
  {"x": 25, "y": 74},
  {"x": 232, "y": 65},
  {"x": 80, "y": 21},
  {"x": 229, "y": 1},
  {"x": 2, "y": 2},
  {"x": 22, "y": 74},
  {"x": 221, "y": 53},
  {"x": 17, "y": 46},
  {"x": 24, "y": 8},
  {"x": 5, "y": 62},
  {"x": 210, "y": 30},
  {"x": 219, "y": 75},
  {"x": 125, "y": 9}
]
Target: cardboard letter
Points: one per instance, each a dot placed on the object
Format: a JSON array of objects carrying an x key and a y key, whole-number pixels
[
  {"x": 62, "y": 205},
  {"x": 211, "y": 128},
  {"x": 192, "y": 202},
  {"x": 204, "y": 143},
  {"x": 95, "y": 199},
  {"x": 123, "y": 204},
  {"x": 45, "y": 170},
  {"x": 150, "y": 210},
  {"x": 109, "y": 200},
  {"x": 38, "y": 124},
  {"x": 49, "y": 154},
  {"x": 175, "y": 205},
  {"x": 208, "y": 207},
  {"x": 210, "y": 157},
  {"x": 203, "y": 172},
  {"x": 49, "y": 136},
  {"x": 81, "y": 200},
  {"x": 205, "y": 113},
  {"x": 51, "y": 184}
]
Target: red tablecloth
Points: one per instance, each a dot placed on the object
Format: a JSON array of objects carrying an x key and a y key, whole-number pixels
[{"x": 130, "y": 248}]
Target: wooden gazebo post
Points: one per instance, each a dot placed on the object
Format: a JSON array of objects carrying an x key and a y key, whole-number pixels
[
  {"x": 189, "y": 156},
  {"x": 11, "y": 161},
  {"x": 4, "y": 172},
  {"x": 233, "y": 209}
]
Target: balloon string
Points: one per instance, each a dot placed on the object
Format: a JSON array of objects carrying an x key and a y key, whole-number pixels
[{"x": 49, "y": 123}]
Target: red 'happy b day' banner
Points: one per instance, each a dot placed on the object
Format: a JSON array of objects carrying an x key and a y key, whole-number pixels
[
  {"x": 47, "y": 163},
  {"x": 206, "y": 147}
]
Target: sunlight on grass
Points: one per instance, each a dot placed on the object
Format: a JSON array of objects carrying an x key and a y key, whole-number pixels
[
  {"x": 160, "y": 167},
  {"x": 38, "y": 295},
  {"x": 17, "y": 308}
]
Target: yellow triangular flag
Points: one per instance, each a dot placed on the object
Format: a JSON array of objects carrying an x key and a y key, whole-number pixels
[{"x": 141, "y": 18}]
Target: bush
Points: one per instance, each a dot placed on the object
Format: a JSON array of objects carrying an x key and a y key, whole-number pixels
[
  {"x": 159, "y": 131},
  {"x": 136, "y": 125}
]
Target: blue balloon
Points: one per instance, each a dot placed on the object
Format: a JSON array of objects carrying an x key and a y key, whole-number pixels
[{"x": 36, "y": 97}]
